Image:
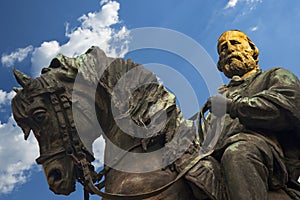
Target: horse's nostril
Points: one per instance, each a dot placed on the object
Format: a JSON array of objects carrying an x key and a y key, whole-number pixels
[{"x": 54, "y": 175}]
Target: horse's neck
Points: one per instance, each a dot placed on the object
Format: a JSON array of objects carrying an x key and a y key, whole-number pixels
[
  {"x": 128, "y": 154},
  {"x": 140, "y": 98},
  {"x": 85, "y": 108}
]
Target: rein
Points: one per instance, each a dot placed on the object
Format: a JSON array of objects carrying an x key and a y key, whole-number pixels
[{"x": 96, "y": 189}]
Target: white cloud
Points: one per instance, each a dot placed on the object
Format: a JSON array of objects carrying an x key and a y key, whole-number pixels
[
  {"x": 43, "y": 54},
  {"x": 95, "y": 30},
  {"x": 98, "y": 150},
  {"x": 250, "y": 3},
  {"x": 253, "y": 1},
  {"x": 103, "y": 2},
  {"x": 17, "y": 56},
  {"x": 254, "y": 28},
  {"x": 17, "y": 156},
  {"x": 231, "y": 4},
  {"x": 6, "y": 97},
  {"x": 106, "y": 17}
]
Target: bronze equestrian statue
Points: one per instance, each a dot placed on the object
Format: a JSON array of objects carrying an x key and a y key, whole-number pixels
[{"x": 254, "y": 156}]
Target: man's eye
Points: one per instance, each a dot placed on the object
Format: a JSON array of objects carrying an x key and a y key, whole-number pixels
[
  {"x": 233, "y": 42},
  {"x": 223, "y": 47},
  {"x": 39, "y": 116}
]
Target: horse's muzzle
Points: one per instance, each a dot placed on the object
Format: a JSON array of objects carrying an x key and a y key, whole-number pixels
[{"x": 60, "y": 175}]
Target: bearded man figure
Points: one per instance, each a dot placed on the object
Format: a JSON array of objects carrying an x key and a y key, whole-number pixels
[{"x": 258, "y": 148}]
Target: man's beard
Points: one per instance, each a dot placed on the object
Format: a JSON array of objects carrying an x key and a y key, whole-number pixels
[{"x": 237, "y": 65}]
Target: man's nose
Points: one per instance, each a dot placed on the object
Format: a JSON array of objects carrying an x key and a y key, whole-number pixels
[{"x": 230, "y": 48}]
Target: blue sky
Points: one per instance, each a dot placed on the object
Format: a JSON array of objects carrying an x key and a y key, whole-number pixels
[{"x": 35, "y": 31}]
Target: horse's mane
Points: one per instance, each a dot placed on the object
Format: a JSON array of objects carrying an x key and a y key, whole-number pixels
[{"x": 149, "y": 100}]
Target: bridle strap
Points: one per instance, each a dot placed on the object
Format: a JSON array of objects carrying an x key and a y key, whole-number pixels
[{"x": 62, "y": 106}]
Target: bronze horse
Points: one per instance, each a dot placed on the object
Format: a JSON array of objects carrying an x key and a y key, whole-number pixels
[{"x": 75, "y": 100}]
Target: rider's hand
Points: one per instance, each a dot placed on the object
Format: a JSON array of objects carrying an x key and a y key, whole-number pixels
[{"x": 219, "y": 105}]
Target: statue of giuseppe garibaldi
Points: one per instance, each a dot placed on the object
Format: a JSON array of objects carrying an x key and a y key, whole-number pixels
[{"x": 258, "y": 148}]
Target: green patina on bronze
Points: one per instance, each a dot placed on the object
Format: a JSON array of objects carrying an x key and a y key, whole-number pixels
[{"x": 233, "y": 147}]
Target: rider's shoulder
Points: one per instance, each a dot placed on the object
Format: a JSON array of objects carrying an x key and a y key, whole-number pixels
[{"x": 280, "y": 72}]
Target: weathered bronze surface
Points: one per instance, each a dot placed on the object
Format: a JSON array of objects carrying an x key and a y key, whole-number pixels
[{"x": 256, "y": 155}]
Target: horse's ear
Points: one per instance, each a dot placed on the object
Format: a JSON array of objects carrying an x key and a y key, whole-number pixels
[
  {"x": 17, "y": 90},
  {"x": 23, "y": 79}
]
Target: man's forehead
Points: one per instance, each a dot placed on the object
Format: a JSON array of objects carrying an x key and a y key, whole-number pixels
[{"x": 232, "y": 35}]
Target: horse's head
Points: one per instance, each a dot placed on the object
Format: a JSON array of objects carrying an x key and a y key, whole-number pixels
[{"x": 43, "y": 105}]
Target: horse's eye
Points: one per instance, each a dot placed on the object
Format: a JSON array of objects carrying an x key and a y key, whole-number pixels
[{"x": 39, "y": 115}]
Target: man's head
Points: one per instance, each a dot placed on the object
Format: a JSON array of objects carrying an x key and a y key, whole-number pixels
[{"x": 238, "y": 55}]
